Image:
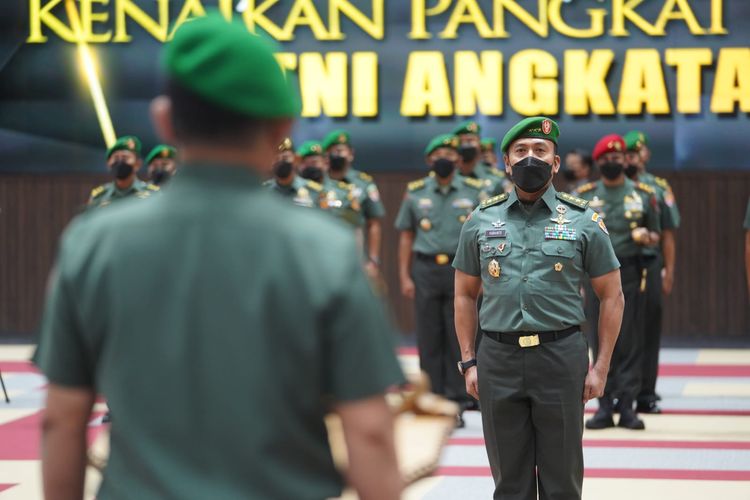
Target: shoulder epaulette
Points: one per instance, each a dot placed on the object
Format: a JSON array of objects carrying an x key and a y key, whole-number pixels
[
  {"x": 415, "y": 185},
  {"x": 268, "y": 183},
  {"x": 475, "y": 183},
  {"x": 315, "y": 186},
  {"x": 97, "y": 191},
  {"x": 497, "y": 173},
  {"x": 344, "y": 185},
  {"x": 573, "y": 200},
  {"x": 586, "y": 187},
  {"x": 152, "y": 187},
  {"x": 645, "y": 187},
  {"x": 365, "y": 177},
  {"x": 663, "y": 183},
  {"x": 493, "y": 201}
]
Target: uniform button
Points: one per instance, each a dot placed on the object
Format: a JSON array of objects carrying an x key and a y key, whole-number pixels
[
  {"x": 528, "y": 224},
  {"x": 526, "y": 251},
  {"x": 559, "y": 250},
  {"x": 526, "y": 278},
  {"x": 525, "y": 307}
]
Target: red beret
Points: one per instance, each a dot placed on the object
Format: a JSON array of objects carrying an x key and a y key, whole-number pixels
[{"x": 611, "y": 143}]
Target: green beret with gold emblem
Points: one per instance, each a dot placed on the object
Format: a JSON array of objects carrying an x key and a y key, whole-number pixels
[
  {"x": 286, "y": 145},
  {"x": 535, "y": 126},
  {"x": 489, "y": 144},
  {"x": 441, "y": 141},
  {"x": 468, "y": 127},
  {"x": 635, "y": 140},
  {"x": 222, "y": 62},
  {"x": 125, "y": 143},
  {"x": 310, "y": 148},
  {"x": 161, "y": 151},
  {"x": 335, "y": 137}
]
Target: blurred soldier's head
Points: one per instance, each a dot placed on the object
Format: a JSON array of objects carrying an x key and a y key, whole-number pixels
[
  {"x": 609, "y": 155},
  {"x": 283, "y": 168},
  {"x": 489, "y": 154},
  {"x": 441, "y": 155},
  {"x": 216, "y": 106},
  {"x": 124, "y": 159},
  {"x": 162, "y": 163},
  {"x": 530, "y": 153},
  {"x": 577, "y": 166},
  {"x": 339, "y": 151},
  {"x": 468, "y": 142},
  {"x": 312, "y": 164}
]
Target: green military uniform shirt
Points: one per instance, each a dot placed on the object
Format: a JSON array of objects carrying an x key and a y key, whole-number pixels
[
  {"x": 259, "y": 318},
  {"x": 105, "y": 194},
  {"x": 435, "y": 213},
  {"x": 366, "y": 192},
  {"x": 532, "y": 260},
  {"x": 342, "y": 200},
  {"x": 669, "y": 213},
  {"x": 624, "y": 208},
  {"x": 303, "y": 192}
]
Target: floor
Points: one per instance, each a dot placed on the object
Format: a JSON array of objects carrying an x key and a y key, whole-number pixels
[{"x": 698, "y": 449}]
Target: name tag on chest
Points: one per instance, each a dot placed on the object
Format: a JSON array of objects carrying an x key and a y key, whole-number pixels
[
  {"x": 558, "y": 232},
  {"x": 496, "y": 233}
]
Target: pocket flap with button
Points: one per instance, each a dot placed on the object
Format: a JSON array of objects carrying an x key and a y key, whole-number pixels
[{"x": 559, "y": 248}]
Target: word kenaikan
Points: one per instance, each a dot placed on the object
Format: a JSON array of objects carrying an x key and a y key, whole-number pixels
[{"x": 437, "y": 83}]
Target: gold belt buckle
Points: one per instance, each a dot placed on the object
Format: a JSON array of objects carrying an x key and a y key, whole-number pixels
[
  {"x": 528, "y": 341},
  {"x": 442, "y": 259}
]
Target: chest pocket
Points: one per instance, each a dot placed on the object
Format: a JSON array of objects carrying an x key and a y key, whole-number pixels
[
  {"x": 560, "y": 260},
  {"x": 495, "y": 260}
]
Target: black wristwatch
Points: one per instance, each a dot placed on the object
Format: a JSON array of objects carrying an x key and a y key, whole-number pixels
[{"x": 465, "y": 365}]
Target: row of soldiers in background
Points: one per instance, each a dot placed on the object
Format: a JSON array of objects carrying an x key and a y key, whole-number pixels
[{"x": 124, "y": 161}]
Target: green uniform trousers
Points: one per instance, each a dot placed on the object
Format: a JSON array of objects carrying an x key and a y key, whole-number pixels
[
  {"x": 436, "y": 331},
  {"x": 532, "y": 414},
  {"x": 651, "y": 332}
]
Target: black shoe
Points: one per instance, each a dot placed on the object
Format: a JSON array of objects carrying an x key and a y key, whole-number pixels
[
  {"x": 658, "y": 396},
  {"x": 602, "y": 419},
  {"x": 460, "y": 424},
  {"x": 650, "y": 407},
  {"x": 629, "y": 420},
  {"x": 107, "y": 418},
  {"x": 471, "y": 405}
]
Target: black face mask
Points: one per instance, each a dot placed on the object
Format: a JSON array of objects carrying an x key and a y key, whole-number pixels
[
  {"x": 283, "y": 169},
  {"x": 337, "y": 162},
  {"x": 160, "y": 176},
  {"x": 531, "y": 174},
  {"x": 312, "y": 173},
  {"x": 468, "y": 152},
  {"x": 443, "y": 167},
  {"x": 121, "y": 169},
  {"x": 569, "y": 175},
  {"x": 611, "y": 170},
  {"x": 631, "y": 171}
]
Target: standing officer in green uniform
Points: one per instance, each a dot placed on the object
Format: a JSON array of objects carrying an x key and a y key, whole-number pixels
[
  {"x": 286, "y": 182},
  {"x": 264, "y": 303},
  {"x": 632, "y": 216},
  {"x": 470, "y": 164},
  {"x": 430, "y": 219},
  {"x": 123, "y": 162},
  {"x": 338, "y": 147},
  {"x": 489, "y": 167},
  {"x": 661, "y": 263},
  {"x": 529, "y": 250},
  {"x": 161, "y": 163},
  {"x": 337, "y": 197}
]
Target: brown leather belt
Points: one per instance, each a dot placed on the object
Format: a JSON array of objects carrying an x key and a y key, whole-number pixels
[
  {"x": 531, "y": 339},
  {"x": 441, "y": 259}
]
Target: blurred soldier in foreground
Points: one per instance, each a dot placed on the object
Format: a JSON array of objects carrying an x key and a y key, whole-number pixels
[
  {"x": 430, "y": 219},
  {"x": 123, "y": 162},
  {"x": 161, "y": 163},
  {"x": 529, "y": 250},
  {"x": 286, "y": 182},
  {"x": 265, "y": 323}
]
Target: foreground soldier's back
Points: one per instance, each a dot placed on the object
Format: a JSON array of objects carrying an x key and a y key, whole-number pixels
[{"x": 259, "y": 327}]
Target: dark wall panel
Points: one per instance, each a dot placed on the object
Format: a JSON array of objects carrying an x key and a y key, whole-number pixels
[{"x": 710, "y": 296}]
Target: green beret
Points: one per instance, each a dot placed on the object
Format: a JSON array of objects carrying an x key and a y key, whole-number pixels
[
  {"x": 635, "y": 140},
  {"x": 230, "y": 67},
  {"x": 125, "y": 143},
  {"x": 441, "y": 141},
  {"x": 335, "y": 137},
  {"x": 468, "y": 127},
  {"x": 489, "y": 144},
  {"x": 161, "y": 151},
  {"x": 310, "y": 148},
  {"x": 286, "y": 145},
  {"x": 534, "y": 126}
]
